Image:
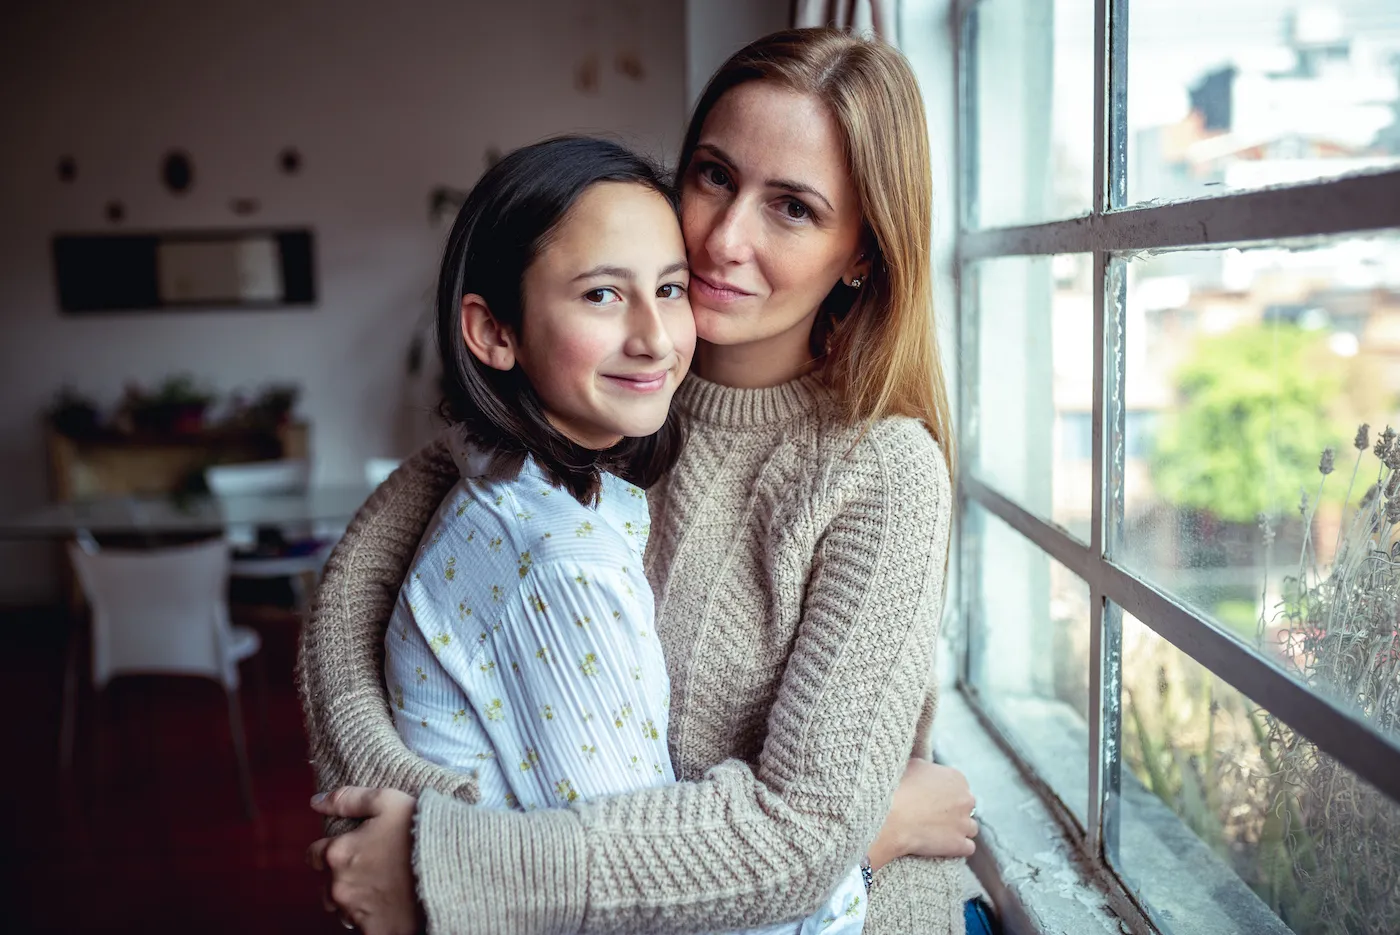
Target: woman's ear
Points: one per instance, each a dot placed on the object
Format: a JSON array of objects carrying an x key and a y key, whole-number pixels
[
  {"x": 857, "y": 272},
  {"x": 488, "y": 340}
]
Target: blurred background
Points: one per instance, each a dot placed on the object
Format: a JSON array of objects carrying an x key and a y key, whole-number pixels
[{"x": 222, "y": 222}]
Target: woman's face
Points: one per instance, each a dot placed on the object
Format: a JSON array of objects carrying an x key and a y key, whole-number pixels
[
  {"x": 771, "y": 219},
  {"x": 607, "y": 332}
]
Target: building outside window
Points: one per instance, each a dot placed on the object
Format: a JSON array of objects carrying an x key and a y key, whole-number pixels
[{"x": 1179, "y": 300}]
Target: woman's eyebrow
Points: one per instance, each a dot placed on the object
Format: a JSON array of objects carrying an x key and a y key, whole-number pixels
[
  {"x": 788, "y": 185},
  {"x": 679, "y": 266}
]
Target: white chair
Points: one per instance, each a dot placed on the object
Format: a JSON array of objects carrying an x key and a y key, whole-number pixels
[
  {"x": 164, "y": 611},
  {"x": 269, "y": 478}
]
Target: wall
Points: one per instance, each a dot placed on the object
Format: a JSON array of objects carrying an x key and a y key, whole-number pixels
[
  {"x": 383, "y": 105},
  {"x": 715, "y": 29}
]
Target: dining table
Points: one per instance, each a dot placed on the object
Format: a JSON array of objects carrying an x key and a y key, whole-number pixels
[{"x": 136, "y": 515}]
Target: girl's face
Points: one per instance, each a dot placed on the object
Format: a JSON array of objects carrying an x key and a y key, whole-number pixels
[
  {"x": 607, "y": 332},
  {"x": 771, "y": 219}
]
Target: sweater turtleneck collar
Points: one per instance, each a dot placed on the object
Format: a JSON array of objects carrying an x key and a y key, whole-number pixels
[{"x": 746, "y": 408}]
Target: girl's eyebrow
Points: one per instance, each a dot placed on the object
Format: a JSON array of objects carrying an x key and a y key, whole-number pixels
[
  {"x": 621, "y": 272},
  {"x": 615, "y": 272},
  {"x": 788, "y": 185}
]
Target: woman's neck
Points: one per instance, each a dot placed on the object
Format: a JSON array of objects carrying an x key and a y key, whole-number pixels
[{"x": 752, "y": 366}]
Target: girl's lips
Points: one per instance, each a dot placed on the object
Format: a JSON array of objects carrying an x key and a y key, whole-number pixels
[
  {"x": 714, "y": 293},
  {"x": 640, "y": 382}
]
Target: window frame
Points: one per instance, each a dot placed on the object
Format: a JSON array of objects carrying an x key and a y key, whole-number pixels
[{"x": 1358, "y": 203}]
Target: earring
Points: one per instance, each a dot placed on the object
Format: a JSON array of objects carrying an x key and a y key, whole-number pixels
[{"x": 855, "y": 283}]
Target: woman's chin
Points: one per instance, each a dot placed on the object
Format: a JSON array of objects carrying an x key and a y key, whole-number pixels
[{"x": 717, "y": 327}]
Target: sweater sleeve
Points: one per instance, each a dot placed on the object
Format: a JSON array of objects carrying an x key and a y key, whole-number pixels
[
  {"x": 742, "y": 846},
  {"x": 340, "y": 670}
]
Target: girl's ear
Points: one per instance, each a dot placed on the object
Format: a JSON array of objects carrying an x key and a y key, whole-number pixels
[{"x": 486, "y": 338}]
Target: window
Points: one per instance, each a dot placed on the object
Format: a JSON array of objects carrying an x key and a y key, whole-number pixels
[{"x": 1179, "y": 298}]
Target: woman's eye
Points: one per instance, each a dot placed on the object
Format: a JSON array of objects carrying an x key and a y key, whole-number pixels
[
  {"x": 603, "y": 296},
  {"x": 796, "y": 210},
  {"x": 715, "y": 175},
  {"x": 672, "y": 290}
]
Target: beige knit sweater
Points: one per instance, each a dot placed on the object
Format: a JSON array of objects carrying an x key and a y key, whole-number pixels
[{"x": 798, "y": 567}]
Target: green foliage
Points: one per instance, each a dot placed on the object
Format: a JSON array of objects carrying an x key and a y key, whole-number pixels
[{"x": 1252, "y": 419}]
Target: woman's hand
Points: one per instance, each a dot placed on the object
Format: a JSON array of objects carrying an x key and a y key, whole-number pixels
[
  {"x": 931, "y": 816},
  {"x": 371, "y": 868}
]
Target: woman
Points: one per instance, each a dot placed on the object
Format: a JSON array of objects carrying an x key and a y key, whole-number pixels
[{"x": 798, "y": 556}]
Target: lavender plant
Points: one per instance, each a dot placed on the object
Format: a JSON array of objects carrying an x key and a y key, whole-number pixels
[{"x": 1337, "y": 631}]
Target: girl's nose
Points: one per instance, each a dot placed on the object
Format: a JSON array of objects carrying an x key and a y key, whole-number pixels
[{"x": 648, "y": 335}]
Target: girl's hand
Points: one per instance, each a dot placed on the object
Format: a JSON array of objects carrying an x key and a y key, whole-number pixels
[
  {"x": 371, "y": 868},
  {"x": 931, "y": 816}
]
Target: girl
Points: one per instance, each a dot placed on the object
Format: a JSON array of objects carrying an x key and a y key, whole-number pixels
[
  {"x": 522, "y": 649},
  {"x": 798, "y": 557}
]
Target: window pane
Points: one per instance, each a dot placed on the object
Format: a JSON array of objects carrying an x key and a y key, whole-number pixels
[
  {"x": 1035, "y": 364},
  {"x": 1247, "y": 365},
  {"x": 1033, "y": 97},
  {"x": 1030, "y": 655},
  {"x": 1233, "y": 823},
  {"x": 1250, "y": 93}
]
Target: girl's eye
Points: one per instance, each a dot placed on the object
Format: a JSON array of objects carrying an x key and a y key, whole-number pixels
[
  {"x": 672, "y": 290},
  {"x": 796, "y": 210},
  {"x": 603, "y": 296},
  {"x": 715, "y": 174}
]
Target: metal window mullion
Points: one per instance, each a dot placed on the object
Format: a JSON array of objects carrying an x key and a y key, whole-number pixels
[
  {"x": 1339, "y": 732},
  {"x": 965, "y": 299},
  {"x": 1110, "y": 632},
  {"x": 969, "y": 529},
  {"x": 1101, "y": 182},
  {"x": 1352, "y": 204},
  {"x": 966, "y": 122}
]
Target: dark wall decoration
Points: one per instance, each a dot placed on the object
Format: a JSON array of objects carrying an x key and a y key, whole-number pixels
[
  {"x": 251, "y": 269},
  {"x": 290, "y": 160},
  {"x": 177, "y": 172}
]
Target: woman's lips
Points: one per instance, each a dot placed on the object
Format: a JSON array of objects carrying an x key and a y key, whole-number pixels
[
  {"x": 712, "y": 293},
  {"x": 639, "y": 382}
]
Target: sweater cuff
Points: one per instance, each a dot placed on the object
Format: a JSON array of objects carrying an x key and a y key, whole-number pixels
[{"x": 483, "y": 870}]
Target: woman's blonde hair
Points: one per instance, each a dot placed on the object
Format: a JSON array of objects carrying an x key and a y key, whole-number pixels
[{"x": 882, "y": 347}]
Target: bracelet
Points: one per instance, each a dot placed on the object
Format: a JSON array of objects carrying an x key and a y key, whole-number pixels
[{"x": 867, "y": 875}]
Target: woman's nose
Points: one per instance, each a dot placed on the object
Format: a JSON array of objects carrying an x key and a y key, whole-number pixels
[{"x": 729, "y": 240}]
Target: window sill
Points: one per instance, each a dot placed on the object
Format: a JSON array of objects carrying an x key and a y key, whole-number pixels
[
  {"x": 1033, "y": 872},
  {"x": 1041, "y": 882}
]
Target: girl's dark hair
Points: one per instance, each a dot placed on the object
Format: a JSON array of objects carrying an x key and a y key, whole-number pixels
[{"x": 508, "y": 219}]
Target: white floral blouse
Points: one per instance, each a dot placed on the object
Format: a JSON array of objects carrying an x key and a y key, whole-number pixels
[{"x": 522, "y": 650}]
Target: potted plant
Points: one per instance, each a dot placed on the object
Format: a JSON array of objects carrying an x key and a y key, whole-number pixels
[
  {"x": 73, "y": 414},
  {"x": 176, "y": 407},
  {"x": 273, "y": 406}
]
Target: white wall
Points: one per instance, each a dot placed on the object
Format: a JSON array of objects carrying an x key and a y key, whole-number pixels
[
  {"x": 716, "y": 29},
  {"x": 384, "y": 103}
]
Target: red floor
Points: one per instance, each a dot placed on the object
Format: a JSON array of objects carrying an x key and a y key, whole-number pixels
[{"x": 147, "y": 834}]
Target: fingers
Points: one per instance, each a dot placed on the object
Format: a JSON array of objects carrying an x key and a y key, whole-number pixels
[
  {"x": 327, "y": 903},
  {"x": 348, "y": 802},
  {"x": 316, "y": 854}
]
